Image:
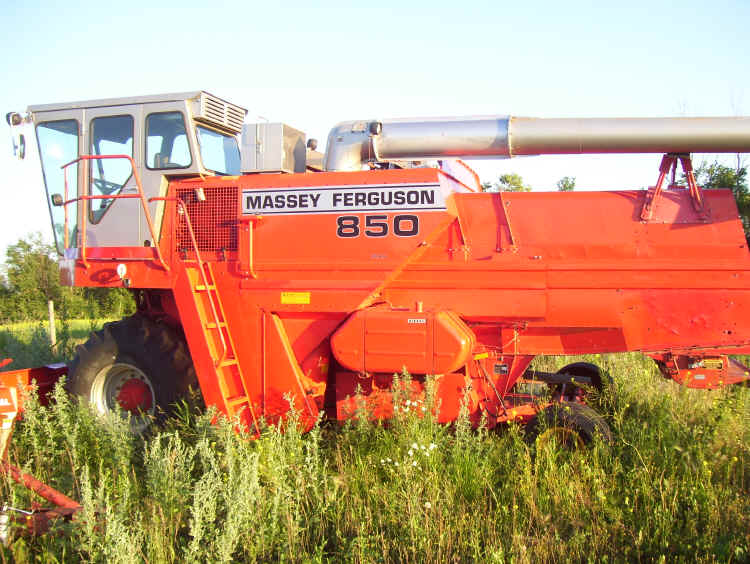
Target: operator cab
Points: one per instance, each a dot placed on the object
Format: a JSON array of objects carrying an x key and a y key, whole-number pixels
[{"x": 170, "y": 134}]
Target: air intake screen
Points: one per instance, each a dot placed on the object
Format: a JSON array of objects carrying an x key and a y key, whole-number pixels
[{"x": 214, "y": 221}]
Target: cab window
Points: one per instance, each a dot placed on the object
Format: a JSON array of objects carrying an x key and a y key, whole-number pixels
[
  {"x": 111, "y": 135},
  {"x": 166, "y": 141},
  {"x": 220, "y": 152},
  {"x": 58, "y": 145}
]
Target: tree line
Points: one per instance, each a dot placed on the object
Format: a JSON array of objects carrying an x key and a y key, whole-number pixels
[{"x": 30, "y": 278}]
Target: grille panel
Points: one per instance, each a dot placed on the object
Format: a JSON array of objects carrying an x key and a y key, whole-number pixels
[
  {"x": 214, "y": 221},
  {"x": 216, "y": 111}
]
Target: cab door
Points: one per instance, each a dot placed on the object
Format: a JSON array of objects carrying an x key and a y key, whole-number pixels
[
  {"x": 113, "y": 222},
  {"x": 158, "y": 138},
  {"x": 168, "y": 151}
]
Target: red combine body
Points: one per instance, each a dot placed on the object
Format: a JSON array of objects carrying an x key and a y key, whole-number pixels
[{"x": 282, "y": 277}]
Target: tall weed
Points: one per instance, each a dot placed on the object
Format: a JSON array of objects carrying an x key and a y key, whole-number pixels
[{"x": 674, "y": 485}]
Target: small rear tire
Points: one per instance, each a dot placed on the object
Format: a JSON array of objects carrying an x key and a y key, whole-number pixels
[
  {"x": 571, "y": 425},
  {"x": 601, "y": 382},
  {"x": 136, "y": 363}
]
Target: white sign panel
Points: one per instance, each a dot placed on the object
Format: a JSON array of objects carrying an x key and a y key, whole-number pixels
[{"x": 343, "y": 199}]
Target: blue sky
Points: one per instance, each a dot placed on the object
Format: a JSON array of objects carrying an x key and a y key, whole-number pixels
[{"x": 313, "y": 64}]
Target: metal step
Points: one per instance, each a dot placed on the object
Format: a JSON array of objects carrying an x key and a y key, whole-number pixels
[{"x": 236, "y": 400}]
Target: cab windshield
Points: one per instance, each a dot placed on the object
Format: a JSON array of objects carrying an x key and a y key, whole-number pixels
[
  {"x": 220, "y": 153},
  {"x": 58, "y": 145}
]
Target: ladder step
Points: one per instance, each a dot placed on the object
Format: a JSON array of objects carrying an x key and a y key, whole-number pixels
[
  {"x": 235, "y": 403},
  {"x": 236, "y": 400}
]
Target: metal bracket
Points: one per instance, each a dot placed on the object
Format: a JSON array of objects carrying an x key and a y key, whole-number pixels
[
  {"x": 669, "y": 163},
  {"x": 503, "y": 206}
]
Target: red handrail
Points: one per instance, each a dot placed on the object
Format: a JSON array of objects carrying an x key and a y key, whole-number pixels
[{"x": 140, "y": 195}]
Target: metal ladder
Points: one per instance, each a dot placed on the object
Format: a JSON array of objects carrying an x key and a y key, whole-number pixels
[{"x": 216, "y": 333}]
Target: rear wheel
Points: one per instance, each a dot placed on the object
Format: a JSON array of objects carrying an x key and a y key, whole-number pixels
[
  {"x": 572, "y": 392},
  {"x": 571, "y": 425},
  {"x": 139, "y": 365}
]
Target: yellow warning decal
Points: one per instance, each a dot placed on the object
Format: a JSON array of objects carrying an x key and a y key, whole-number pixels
[
  {"x": 295, "y": 297},
  {"x": 713, "y": 363},
  {"x": 480, "y": 356}
]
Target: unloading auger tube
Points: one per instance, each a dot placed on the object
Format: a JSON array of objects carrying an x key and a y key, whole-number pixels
[{"x": 352, "y": 144}]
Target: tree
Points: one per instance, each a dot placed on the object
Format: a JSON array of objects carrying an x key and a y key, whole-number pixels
[
  {"x": 507, "y": 183},
  {"x": 32, "y": 278},
  {"x": 566, "y": 184}
]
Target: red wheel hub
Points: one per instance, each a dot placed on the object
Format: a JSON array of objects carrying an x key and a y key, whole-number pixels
[{"x": 134, "y": 396}]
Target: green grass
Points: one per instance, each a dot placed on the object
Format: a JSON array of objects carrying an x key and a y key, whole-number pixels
[
  {"x": 28, "y": 343},
  {"x": 674, "y": 486}
]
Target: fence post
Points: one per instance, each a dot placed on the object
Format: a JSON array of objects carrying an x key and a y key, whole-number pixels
[{"x": 52, "y": 332}]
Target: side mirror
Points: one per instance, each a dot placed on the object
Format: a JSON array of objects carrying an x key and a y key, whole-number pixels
[
  {"x": 21, "y": 146},
  {"x": 13, "y": 118},
  {"x": 57, "y": 200}
]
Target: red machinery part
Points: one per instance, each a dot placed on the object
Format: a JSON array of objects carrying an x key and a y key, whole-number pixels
[
  {"x": 13, "y": 386},
  {"x": 384, "y": 340},
  {"x": 44, "y": 377},
  {"x": 373, "y": 396},
  {"x": 47, "y": 492},
  {"x": 36, "y": 521},
  {"x": 519, "y": 274},
  {"x": 702, "y": 372}
]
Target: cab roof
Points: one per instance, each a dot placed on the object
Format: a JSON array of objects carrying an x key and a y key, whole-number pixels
[{"x": 124, "y": 101}]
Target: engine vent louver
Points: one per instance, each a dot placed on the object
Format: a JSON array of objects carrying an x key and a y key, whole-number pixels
[{"x": 216, "y": 112}]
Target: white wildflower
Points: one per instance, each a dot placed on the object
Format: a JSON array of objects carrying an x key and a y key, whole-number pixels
[
  {"x": 411, "y": 452},
  {"x": 415, "y": 446},
  {"x": 414, "y": 463},
  {"x": 433, "y": 446},
  {"x": 427, "y": 505}
]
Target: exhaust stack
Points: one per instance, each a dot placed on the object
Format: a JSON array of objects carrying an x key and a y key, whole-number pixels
[{"x": 352, "y": 144}]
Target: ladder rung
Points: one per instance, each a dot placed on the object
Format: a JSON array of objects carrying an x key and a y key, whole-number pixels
[
  {"x": 236, "y": 400},
  {"x": 227, "y": 362},
  {"x": 212, "y": 325},
  {"x": 203, "y": 288}
]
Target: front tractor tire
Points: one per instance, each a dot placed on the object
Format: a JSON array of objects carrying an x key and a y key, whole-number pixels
[
  {"x": 571, "y": 425},
  {"x": 142, "y": 366}
]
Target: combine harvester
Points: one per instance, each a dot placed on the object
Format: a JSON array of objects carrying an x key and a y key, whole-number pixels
[{"x": 269, "y": 274}]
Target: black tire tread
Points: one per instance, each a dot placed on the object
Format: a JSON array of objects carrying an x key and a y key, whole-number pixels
[
  {"x": 576, "y": 416},
  {"x": 154, "y": 347}
]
